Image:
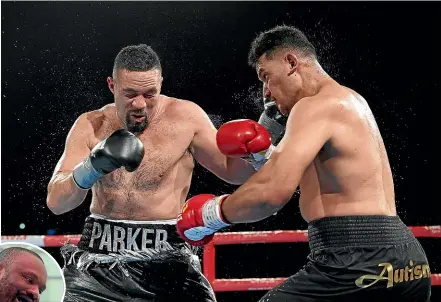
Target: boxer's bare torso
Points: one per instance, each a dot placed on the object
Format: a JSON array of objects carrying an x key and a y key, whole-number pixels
[
  {"x": 158, "y": 188},
  {"x": 351, "y": 174}
]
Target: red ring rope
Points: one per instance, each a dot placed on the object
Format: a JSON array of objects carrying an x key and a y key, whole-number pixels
[{"x": 228, "y": 238}]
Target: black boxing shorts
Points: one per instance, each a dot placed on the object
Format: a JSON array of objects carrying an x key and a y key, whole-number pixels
[
  {"x": 359, "y": 258},
  {"x": 120, "y": 260}
]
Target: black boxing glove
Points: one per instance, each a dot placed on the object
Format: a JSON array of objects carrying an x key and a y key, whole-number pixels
[
  {"x": 273, "y": 121},
  {"x": 121, "y": 149}
]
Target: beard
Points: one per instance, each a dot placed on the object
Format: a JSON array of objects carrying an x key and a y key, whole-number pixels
[
  {"x": 133, "y": 125},
  {"x": 11, "y": 294},
  {"x": 7, "y": 293}
]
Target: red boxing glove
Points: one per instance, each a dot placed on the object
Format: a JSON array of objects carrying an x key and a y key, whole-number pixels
[
  {"x": 246, "y": 139},
  {"x": 200, "y": 218}
]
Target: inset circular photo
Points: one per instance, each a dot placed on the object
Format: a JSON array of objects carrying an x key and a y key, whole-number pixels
[{"x": 29, "y": 273}]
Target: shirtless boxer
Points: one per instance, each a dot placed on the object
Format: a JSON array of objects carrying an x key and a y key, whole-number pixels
[
  {"x": 137, "y": 157},
  {"x": 23, "y": 275},
  {"x": 333, "y": 149}
]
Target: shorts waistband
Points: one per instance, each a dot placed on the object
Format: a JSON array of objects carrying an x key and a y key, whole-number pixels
[
  {"x": 104, "y": 235},
  {"x": 353, "y": 231},
  {"x": 135, "y": 222}
]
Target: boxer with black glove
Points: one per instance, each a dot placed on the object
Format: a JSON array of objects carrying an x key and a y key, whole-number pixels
[
  {"x": 121, "y": 149},
  {"x": 273, "y": 120},
  {"x": 131, "y": 229}
]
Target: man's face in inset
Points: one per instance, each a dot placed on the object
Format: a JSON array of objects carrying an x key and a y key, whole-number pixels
[{"x": 22, "y": 279}]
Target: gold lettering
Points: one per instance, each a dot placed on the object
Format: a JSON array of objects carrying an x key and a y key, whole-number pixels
[
  {"x": 411, "y": 270},
  {"x": 396, "y": 278},
  {"x": 426, "y": 271},
  {"x": 387, "y": 268},
  {"x": 406, "y": 273},
  {"x": 417, "y": 272}
]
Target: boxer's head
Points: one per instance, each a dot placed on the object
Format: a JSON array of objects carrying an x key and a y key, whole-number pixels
[
  {"x": 136, "y": 85},
  {"x": 286, "y": 63},
  {"x": 22, "y": 275}
]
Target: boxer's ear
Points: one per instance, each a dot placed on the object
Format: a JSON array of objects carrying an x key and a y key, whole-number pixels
[
  {"x": 111, "y": 84},
  {"x": 293, "y": 62}
]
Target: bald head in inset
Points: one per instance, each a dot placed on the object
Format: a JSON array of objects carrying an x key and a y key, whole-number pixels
[{"x": 23, "y": 275}]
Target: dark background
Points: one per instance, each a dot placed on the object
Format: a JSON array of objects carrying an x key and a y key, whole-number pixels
[{"x": 56, "y": 57}]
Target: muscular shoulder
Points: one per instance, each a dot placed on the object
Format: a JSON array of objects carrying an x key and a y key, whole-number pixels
[
  {"x": 335, "y": 104},
  {"x": 317, "y": 107},
  {"x": 325, "y": 114},
  {"x": 186, "y": 110},
  {"x": 92, "y": 122},
  {"x": 93, "y": 119}
]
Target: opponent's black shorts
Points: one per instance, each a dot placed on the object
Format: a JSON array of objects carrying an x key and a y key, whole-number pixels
[
  {"x": 359, "y": 258},
  {"x": 129, "y": 261}
]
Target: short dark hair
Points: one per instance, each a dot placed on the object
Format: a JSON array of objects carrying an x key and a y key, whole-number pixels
[
  {"x": 279, "y": 37},
  {"x": 8, "y": 254},
  {"x": 137, "y": 58}
]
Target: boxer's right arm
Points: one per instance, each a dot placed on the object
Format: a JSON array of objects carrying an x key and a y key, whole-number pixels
[{"x": 63, "y": 194}]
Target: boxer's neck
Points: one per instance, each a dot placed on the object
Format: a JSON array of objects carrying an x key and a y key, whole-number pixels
[{"x": 313, "y": 79}]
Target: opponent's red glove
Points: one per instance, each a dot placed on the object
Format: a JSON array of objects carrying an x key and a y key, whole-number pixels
[
  {"x": 246, "y": 139},
  {"x": 200, "y": 218}
]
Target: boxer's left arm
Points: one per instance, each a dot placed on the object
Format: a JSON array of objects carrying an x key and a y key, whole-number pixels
[
  {"x": 310, "y": 125},
  {"x": 206, "y": 152}
]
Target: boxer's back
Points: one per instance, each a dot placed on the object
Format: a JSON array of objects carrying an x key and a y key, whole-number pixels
[
  {"x": 158, "y": 188},
  {"x": 351, "y": 174}
]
